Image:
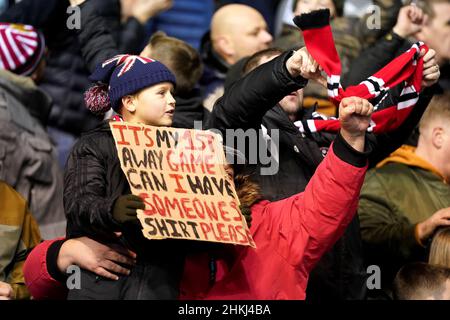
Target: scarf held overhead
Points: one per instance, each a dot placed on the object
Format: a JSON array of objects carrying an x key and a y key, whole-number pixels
[{"x": 407, "y": 69}]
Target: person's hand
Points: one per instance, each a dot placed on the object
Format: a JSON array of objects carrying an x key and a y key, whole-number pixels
[
  {"x": 425, "y": 229},
  {"x": 6, "y": 291},
  {"x": 125, "y": 207},
  {"x": 354, "y": 117},
  {"x": 410, "y": 21},
  {"x": 431, "y": 71},
  {"x": 104, "y": 260},
  {"x": 301, "y": 63},
  {"x": 145, "y": 9}
]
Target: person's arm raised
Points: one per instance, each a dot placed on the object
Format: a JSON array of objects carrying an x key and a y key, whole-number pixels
[
  {"x": 306, "y": 225},
  {"x": 246, "y": 102}
]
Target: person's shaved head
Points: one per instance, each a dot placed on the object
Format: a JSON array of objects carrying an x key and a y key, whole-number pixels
[
  {"x": 434, "y": 139},
  {"x": 238, "y": 31}
]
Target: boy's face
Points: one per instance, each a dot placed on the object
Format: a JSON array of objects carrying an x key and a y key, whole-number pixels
[
  {"x": 154, "y": 105},
  {"x": 305, "y": 6}
]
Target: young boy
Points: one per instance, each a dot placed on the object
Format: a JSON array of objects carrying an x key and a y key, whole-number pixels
[{"x": 97, "y": 196}]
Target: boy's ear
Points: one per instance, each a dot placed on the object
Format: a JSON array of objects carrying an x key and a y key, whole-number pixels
[{"x": 129, "y": 103}]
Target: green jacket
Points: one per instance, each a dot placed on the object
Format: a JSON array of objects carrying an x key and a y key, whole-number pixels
[{"x": 402, "y": 191}]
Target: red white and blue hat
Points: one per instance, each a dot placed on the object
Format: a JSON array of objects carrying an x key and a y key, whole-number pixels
[{"x": 123, "y": 75}]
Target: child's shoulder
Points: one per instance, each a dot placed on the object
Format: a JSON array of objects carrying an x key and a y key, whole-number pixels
[{"x": 98, "y": 138}]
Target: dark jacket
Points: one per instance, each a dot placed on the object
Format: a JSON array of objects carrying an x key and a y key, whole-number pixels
[
  {"x": 376, "y": 57},
  {"x": 189, "y": 108},
  {"x": 249, "y": 104},
  {"x": 93, "y": 181},
  {"x": 66, "y": 74},
  {"x": 215, "y": 68}
]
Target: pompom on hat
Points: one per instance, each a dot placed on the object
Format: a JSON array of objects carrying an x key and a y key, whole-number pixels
[
  {"x": 120, "y": 76},
  {"x": 21, "y": 48}
]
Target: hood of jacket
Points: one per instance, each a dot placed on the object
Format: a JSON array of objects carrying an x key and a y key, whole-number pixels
[
  {"x": 210, "y": 58},
  {"x": 37, "y": 102},
  {"x": 406, "y": 155},
  {"x": 189, "y": 108}
]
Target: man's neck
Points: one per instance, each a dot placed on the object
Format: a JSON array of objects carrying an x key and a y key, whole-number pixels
[{"x": 428, "y": 155}]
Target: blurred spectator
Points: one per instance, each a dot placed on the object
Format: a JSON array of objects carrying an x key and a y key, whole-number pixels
[
  {"x": 421, "y": 281},
  {"x": 66, "y": 76},
  {"x": 267, "y": 8},
  {"x": 440, "y": 248},
  {"x": 350, "y": 34},
  {"x": 187, "y": 20},
  {"x": 186, "y": 65},
  {"x": 356, "y": 8},
  {"x": 28, "y": 160},
  {"x": 236, "y": 31},
  {"x": 428, "y": 21},
  {"x": 19, "y": 234},
  {"x": 407, "y": 196}
]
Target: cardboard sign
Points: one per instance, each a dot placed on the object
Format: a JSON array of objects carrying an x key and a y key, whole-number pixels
[{"x": 180, "y": 176}]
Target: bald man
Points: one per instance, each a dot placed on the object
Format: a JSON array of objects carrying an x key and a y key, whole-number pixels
[{"x": 237, "y": 31}]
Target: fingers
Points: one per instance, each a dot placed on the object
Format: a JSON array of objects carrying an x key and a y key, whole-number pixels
[
  {"x": 415, "y": 14},
  {"x": 432, "y": 75},
  {"x": 428, "y": 57},
  {"x": 444, "y": 213},
  {"x": 322, "y": 80},
  {"x": 134, "y": 202},
  {"x": 115, "y": 268},
  {"x": 6, "y": 291},
  {"x": 132, "y": 197},
  {"x": 431, "y": 71},
  {"x": 357, "y": 106},
  {"x": 123, "y": 251},
  {"x": 102, "y": 272},
  {"x": 431, "y": 78},
  {"x": 367, "y": 108},
  {"x": 130, "y": 212},
  {"x": 120, "y": 257}
]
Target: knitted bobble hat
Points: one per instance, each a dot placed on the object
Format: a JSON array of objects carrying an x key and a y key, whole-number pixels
[
  {"x": 120, "y": 76},
  {"x": 22, "y": 48}
]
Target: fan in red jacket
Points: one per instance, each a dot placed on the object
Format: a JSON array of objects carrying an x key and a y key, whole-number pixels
[{"x": 291, "y": 234}]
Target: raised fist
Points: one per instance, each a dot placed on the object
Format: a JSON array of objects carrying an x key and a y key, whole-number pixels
[
  {"x": 301, "y": 63},
  {"x": 354, "y": 116},
  {"x": 410, "y": 21}
]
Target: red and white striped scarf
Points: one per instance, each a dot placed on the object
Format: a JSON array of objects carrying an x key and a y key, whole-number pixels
[{"x": 407, "y": 68}]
